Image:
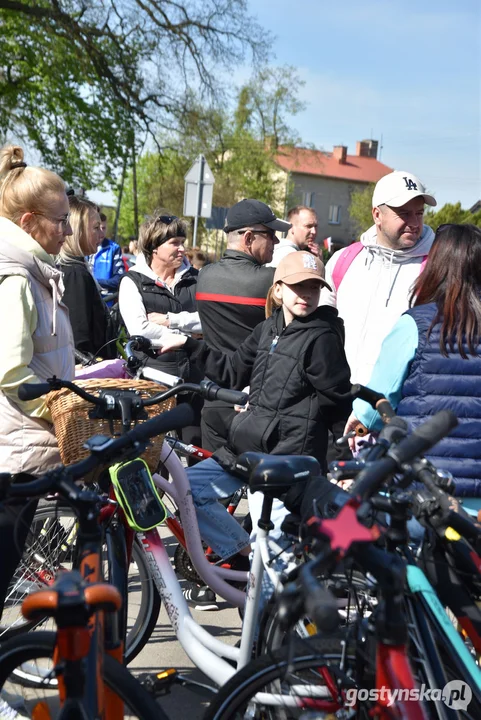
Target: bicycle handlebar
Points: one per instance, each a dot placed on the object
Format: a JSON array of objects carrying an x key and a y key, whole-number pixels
[
  {"x": 422, "y": 439},
  {"x": 375, "y": 400},
  {"x": 131, "y": 444},
  {"x": 207, "y": 389}
]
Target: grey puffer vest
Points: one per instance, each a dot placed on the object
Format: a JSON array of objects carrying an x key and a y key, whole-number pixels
[{"x": 28, "y": 444}]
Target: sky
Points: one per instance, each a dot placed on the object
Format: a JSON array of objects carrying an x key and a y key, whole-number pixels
[{"x": 407, "y": 73}]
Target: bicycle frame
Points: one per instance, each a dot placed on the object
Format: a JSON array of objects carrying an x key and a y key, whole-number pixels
[{"x": 419, "y": 585}]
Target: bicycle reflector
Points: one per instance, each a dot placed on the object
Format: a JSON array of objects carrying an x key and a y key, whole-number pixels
[{"x": 137, "y": 495}]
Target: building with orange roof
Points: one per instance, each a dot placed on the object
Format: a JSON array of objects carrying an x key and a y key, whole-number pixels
[{"x": 325, "y": 181}]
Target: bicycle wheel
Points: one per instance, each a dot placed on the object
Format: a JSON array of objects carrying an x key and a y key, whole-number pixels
[
  {"x": 32, "y": 654},
  {"x": 50, "y": 547},
  {"x": 289, "y": 684}
]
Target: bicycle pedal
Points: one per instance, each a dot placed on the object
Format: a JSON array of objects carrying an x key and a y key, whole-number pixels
[{"x": 159, "y": 683}]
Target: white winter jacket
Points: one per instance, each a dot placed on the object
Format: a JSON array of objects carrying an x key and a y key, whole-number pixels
[{"x": 372, "y": 295}]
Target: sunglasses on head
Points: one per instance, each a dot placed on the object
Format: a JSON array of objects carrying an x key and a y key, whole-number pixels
[{"x": 166, "y": 219}]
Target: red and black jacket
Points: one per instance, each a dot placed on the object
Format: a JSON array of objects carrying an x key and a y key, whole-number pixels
[{"x": 231, "y": 298}]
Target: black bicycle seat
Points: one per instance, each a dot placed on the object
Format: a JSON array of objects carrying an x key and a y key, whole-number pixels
[{"x": 275, "y": 474}]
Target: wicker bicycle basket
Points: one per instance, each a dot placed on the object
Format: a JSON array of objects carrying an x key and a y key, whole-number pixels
[{"x": 73, "y": 426}]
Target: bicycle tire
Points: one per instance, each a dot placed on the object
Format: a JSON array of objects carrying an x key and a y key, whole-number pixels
[
  {"x": 40, "y": 646},
  {"x": 51, "y": 526},
  {"x": 270, "y": 673}
]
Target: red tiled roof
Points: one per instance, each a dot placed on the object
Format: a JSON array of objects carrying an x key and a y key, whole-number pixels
[{"x": 315, "y": 162}]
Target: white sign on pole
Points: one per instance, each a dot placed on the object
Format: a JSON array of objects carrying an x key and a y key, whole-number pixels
[{"x": 198, "y": 192}]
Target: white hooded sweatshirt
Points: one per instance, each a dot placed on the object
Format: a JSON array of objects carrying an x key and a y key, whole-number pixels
[{"x": 373, "y": 295}]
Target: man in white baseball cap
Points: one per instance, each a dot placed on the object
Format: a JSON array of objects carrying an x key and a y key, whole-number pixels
[{"x": 371, "y": 279}]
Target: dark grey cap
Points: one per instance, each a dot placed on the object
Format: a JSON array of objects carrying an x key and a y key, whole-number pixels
[{"x": 253, "y": 212}]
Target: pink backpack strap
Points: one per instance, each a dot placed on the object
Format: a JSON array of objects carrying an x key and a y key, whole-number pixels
[
  {"x": 344, "y": 262},
  {"x": 423, "y": 264}
]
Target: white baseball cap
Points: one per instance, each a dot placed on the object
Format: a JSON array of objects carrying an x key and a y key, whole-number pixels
[{"x": 398, "y": 188}]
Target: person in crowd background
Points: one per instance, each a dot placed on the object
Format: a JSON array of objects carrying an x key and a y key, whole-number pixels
[
  {"x": 36, "y": 340},
  {"x": 431, "y": 360},
  {"x": 295, "y": 365},
  {"x": 197, "y": 258},
  {"x": 231, "y": 296},
  {"x": 107, "y": 262},
  {"x": 371, "y": 280},
  {"x": 301, "y": 235},
  {"x": 157, "y": 297},
  {"x": 88, "y": 313}
]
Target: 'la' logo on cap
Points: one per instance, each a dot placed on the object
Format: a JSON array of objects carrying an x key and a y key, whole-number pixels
[{"x": 410, "y": 184}]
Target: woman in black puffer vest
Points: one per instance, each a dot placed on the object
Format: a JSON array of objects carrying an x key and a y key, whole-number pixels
[{"x": 157, "y": 296}]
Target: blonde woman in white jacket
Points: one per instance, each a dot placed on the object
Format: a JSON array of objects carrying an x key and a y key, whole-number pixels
[{"x": 36, "y": 341}]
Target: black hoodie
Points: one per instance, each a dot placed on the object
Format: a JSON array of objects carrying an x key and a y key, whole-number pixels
[{"x": 299, "y": 384}]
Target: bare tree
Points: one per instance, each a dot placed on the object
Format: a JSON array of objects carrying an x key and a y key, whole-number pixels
[{"x": 78, "y": 77}]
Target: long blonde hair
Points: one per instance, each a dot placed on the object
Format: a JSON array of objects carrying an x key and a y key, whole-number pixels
[
  {"x": 25, "y": 189},
  {"x": 272, "y": 302},
  {"x": 76, "y": 245}
]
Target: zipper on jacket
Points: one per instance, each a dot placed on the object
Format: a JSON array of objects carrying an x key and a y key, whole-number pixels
[{"x": 274, "y": 344}]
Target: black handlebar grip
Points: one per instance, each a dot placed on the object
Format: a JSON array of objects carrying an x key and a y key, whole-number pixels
[
  {"x": 139, "y": 343},
  {"x": 364, "y": 393},
  {"x": 234, "y": 397},
  {"x": 211, "y": 391},
  {"x": 32, "y": 391},
  {"x": 424, "y": 437},
  {"x": 82, "y": 358},
  {"x": 179, "y": 417},
  {"x": 321, "y": 606}
]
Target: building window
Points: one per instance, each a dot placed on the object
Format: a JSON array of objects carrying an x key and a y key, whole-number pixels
[
  {"x": 308, "y": 199},
  {"x": 334, "y": 214}
]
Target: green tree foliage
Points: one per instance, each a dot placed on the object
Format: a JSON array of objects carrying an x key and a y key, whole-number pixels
[
  {"x": 80, "y": 79},
  {"x": 160, "y": 184},
  {"x": 360, "y": 209},
  {"x": 451, "y": 213},
  {"x": 239, "y": 147}
]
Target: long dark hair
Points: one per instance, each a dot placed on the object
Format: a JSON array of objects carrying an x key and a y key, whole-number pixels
[{"x": 452, "y": 280}]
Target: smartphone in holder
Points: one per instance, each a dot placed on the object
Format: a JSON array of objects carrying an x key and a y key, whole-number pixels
[{"x": 137, "y": 495}]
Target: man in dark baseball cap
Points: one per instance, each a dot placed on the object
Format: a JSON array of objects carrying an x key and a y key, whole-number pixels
[{"x": 253, "y": 212}]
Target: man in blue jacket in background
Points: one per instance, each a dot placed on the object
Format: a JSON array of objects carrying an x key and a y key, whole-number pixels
[{"x": 107, "y": 264}]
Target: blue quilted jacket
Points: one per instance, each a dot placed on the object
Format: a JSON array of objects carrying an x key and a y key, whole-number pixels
[{"x": 434, "y": 383}]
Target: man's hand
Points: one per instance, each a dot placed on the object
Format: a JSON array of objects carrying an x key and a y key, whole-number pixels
[
  {"x": 158, "y": 319},
  {"x": 173, "y": 341},
  {"x": 313, "y": 247}
]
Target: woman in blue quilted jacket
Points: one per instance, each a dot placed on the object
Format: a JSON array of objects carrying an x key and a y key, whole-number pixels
[{"x": 432, "y": 358}]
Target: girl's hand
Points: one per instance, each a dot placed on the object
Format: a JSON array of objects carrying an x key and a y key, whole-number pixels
[{"x": 173, "y": 341}]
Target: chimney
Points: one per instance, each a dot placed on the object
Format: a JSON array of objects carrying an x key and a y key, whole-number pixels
[
  {"x": 367, "y": 148},
  {"x": 339, "y": 153}
]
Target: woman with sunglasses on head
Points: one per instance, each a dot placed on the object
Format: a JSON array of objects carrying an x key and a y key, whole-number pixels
[
  {"x": 157, "y": 297},
  {"x": 432, "y": 358},
  {"x": 36, "y": 341},
  {"x": 88, "y": 313}
]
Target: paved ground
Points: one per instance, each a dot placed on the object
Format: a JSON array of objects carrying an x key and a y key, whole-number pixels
[{"x": 163, "y": 650}]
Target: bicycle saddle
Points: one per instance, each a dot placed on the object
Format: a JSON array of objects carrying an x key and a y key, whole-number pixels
[{"x": 275, "y": 474}]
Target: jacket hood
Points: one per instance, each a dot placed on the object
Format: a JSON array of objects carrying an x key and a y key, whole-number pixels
[
  {"x": 20, "y": 254},
  {"x": 142, "y": 268},
  {"x": 323, "y": 317},
  {"x": 18, "y": 251},
  {"x": 396, "y": 257}
]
